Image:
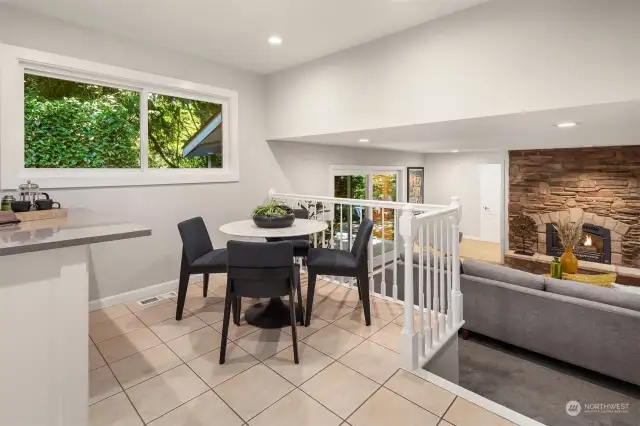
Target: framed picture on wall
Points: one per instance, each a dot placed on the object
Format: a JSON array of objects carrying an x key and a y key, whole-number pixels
[{"x": 415, "y": 185}]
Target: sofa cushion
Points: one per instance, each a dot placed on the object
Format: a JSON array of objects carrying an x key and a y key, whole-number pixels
[
  {"x": 502, "y": 274},
  {"x": 595, "y": 294}
]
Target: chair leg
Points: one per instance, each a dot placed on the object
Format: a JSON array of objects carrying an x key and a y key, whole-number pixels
[
  {"x": 311, "y": 289},
  {"x": 205, "y": 286},
  {"x": 229, "y": 297},
  {"x": 292, "y": 309},
  {"x": 299, "y": 291},
  {"x": 183, "y": 285},
  {"x": 235, "y": 305},
  {"x": 364, "y": 288},
  {"x": 359, "y": 290}
]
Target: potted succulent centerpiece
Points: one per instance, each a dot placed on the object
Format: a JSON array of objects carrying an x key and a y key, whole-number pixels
[{"x": 273, "y": 215}]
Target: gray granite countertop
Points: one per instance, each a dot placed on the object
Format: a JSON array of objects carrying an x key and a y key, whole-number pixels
[{"x": 80, "y": 227}]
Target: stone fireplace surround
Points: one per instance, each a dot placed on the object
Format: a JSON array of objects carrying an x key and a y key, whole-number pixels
[
  {"x": 618, "y": 229},
  {"x": 599, "y": 185}
]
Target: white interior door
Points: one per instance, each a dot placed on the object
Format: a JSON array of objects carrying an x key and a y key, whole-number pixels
[{"x": 490, "y": 188}]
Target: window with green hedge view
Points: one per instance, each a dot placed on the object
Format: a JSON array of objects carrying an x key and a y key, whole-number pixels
[{"x": 70, "y": 124}]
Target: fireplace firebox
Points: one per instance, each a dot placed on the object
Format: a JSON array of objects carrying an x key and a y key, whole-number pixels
[{"x": 594, "y": 246}]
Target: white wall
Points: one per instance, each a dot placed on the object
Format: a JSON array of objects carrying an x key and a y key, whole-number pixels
[
  {"x": 307, "y": 166},
  {"x": 126, "y": 265},
  {"x": 458, "y": 174},
  {"x": 505, "y": 56}
]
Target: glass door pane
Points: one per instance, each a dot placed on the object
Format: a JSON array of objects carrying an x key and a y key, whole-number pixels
[
  {"x": 347, "y": 218},
  {"x": 384, "y": 188}
]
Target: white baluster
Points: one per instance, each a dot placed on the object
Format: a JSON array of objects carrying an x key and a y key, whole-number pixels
[
  {"x": 421, "y": 290},
  {"x": 456, "y": 295},
  {"x": 324, "y": 241},
  {"x": 436, "y": 286},
  {"x": 340, "y": 242},
  {"x": 409, "y": 336},
  {"x": 383, "y": 286},
  {"x": 449, "y": 276},
  {"x": 428, "y": 332},
  {"x": 349, "y": 236},
  {"x": 370, "y": 249},
  {"x": 395, "y": 254},
  {"x": 441, "y": 318},
  {"x": 315, "y": 216}
]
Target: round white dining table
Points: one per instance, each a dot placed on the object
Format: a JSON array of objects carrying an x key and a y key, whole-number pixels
[
  {"x": 275, "y": 313},
  {"x": 246, "y": 228}
]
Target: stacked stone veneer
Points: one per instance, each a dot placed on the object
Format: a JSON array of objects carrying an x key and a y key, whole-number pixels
[{"x": 599, "y": 185}]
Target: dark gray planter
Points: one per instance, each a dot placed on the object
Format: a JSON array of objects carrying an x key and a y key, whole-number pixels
[{"x": 274, "y": 221}]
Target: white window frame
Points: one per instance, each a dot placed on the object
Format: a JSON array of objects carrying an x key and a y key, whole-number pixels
[
  {"x": 13, "y": 63},
  {"x": 338, "y": 170}
]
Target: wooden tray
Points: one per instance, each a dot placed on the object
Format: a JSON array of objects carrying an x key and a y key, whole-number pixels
[{"x": 42, "y": 214}]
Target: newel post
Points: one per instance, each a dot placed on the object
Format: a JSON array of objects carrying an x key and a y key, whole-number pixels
[
  {"x": 409, "y": 335},
  {"x": 456, "y": 295}
]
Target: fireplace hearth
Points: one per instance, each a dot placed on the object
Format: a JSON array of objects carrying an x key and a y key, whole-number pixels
[{"x": 594, "y": 246}]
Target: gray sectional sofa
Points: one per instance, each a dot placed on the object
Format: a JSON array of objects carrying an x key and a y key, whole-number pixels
[{"x": 588, "y": 326}]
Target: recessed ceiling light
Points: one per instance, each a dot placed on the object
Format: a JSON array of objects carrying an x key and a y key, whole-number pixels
[
  {"x": 455, "y": 150},
  {"x": 363, "y": 140},
  {"x": 275, "y": 40},
  {"x": 567, "y": 124}
]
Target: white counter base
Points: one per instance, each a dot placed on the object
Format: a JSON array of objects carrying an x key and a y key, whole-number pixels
[{"x": 44, "y": 330}]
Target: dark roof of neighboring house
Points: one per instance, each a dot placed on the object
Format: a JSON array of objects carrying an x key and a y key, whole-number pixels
[{"x": 207, "y": 140}]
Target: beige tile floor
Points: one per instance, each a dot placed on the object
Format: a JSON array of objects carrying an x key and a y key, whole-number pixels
[{"x": 148, "y": 369}]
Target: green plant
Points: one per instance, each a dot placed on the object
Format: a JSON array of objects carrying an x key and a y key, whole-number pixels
[
  {"x": 77, "y": 125},
  {"x": 272, "y": 209}
]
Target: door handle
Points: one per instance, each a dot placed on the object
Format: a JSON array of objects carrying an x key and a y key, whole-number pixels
[{"x": 486, "y": 208}]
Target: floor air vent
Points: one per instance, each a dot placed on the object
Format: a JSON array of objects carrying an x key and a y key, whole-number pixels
[{"x": 154, "y": 299}]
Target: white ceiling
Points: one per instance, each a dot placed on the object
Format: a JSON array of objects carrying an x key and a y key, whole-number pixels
[
  {"x": 599, "y": 125},
  {"x": 235, "y": 32}
]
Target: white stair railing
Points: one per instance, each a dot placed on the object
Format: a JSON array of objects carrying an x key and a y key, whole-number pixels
[{"x": 430, "y": 230}]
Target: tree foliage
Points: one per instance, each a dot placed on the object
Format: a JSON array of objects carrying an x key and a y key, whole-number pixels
[{"x": 77, "y": 125}]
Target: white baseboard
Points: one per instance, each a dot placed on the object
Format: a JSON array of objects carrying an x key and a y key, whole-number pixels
[
  {"x": 139, "y": 294},
  {"x": 471, "y": 237},
  {"x": 480, "y": 401}
]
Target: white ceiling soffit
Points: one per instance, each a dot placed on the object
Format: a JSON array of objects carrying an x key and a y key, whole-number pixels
[
  {"x": 235, "y": 32},
  {"x": 598, "y": 125}
]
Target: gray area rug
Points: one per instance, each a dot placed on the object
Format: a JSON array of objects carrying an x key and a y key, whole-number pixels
[{"x": 540, "y": 387}]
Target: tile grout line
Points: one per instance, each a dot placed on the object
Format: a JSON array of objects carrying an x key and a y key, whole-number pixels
[
  {"x": 333, "y": 361},
  {"x": 189, "y": 367},
  {"x": 449, "y": 407},
  {"x": 415, "y": 403},
  {"x": 259, "y": 361},
  {"x": 123, "y": 391},
  {"x": 370, "y": 396},
  {"x": 175, "y": 408}
]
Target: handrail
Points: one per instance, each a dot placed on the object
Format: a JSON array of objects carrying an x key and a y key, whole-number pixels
[
  {"x": 364, "y": 203},
  {"x": 444, "y": 211},
  {"x": 435, "y": 228}
]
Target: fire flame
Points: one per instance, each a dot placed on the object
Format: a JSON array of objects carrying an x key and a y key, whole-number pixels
[{"x": 587, "y": 241}]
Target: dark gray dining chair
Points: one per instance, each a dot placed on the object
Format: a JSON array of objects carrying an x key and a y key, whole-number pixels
[
  {"x": 343, "y": 263},
  {"x": 198, "y": 257},
  {"x": 300, "y": 243},
  {"x": 260, "y": 270}
]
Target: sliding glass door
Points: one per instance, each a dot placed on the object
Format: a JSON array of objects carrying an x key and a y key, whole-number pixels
[{"x": 366, "y": 185}]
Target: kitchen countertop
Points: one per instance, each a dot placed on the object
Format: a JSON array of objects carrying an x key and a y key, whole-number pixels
[{"x": 80, "y": 227}]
